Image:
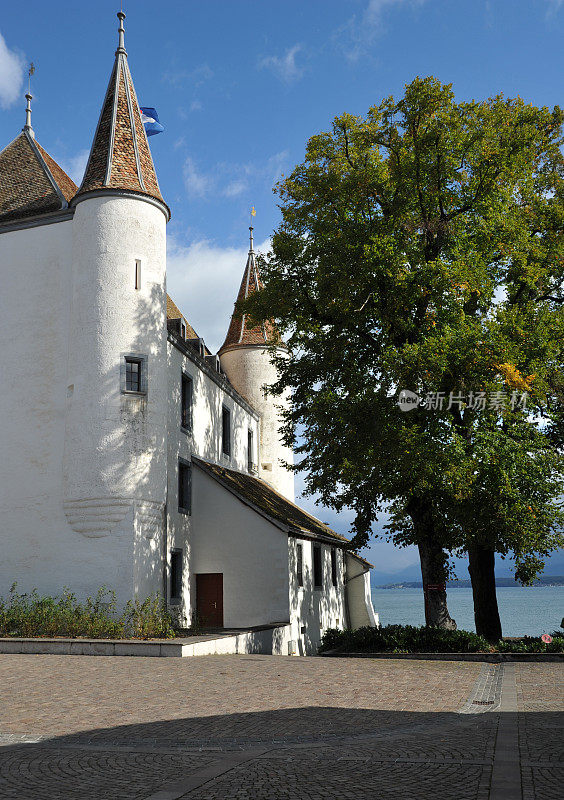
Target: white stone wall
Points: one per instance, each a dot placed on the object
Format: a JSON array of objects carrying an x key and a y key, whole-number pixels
[
  {"x": 204, "y": 441},
  {"x": 359, "y": 598},
  {"x": 312, "y": 608},
  {"x": 249, "y": 369},
  {"x": 229, "y": 537}
]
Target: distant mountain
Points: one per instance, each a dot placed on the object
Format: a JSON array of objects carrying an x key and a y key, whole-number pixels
[
  {"x": 544, "y": 580},
  {"x": 504, "y": 569}
]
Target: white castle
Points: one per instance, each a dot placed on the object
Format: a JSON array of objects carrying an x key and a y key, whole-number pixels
[{"x": 131, "y": 456}]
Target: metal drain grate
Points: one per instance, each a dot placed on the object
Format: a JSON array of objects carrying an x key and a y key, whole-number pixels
[{"x": 482, "y": 702}]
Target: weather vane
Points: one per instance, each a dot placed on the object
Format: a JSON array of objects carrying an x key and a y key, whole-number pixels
[{"x": 30, "y": 72}]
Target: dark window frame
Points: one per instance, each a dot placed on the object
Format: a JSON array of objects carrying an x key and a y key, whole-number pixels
[
  {"x": 137, "y": 274},
  {"x": 300, "y": 564},
  {"x": 143, "y": 363},
  {"x": 176, "y": 575},
  {"x": 250, "y": 450},
  {"x": 226, "y": 440},
  {"x": 317, "y": 567},
  {"x": 186, "y": 409},
  {"x": 334, "y": 573},
  {"x": 184, "y": 492}
]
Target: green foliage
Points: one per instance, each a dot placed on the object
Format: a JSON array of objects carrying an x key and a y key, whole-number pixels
[
  {"x": 30, "y": 615},
  {"x": 410, "y": 639},
  {"x": 422, "y": 248},
  {"x": 403, "y": 639}
]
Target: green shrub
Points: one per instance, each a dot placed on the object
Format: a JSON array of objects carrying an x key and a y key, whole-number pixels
[
  {"x": 403, "y": 639},
  {"x": 30, "y": 615},
  {"x": 409, "y": 639}
]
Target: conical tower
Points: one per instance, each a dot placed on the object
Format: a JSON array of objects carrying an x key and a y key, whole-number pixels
[
  {"x": 115, "y": 438},
  {"x": 246, "y": 360}
]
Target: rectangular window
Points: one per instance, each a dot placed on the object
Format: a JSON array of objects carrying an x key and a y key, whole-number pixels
[
  {"x": 134, "y": 374},
  {"x": 137, "y": 274},
  {"x": 250, "y": 451},
  {"x": 225, "y": 431},
  {"x": 184, "y": 487},
  {"x": 186, "y": 401},
  {"x": 334, "y": 566},
  {"x": 317, "y": 567},
  {"x": 300, "y": 564},
  {"x": 176, "y": 575}
]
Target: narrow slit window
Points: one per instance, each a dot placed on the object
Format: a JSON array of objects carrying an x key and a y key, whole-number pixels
[
  {"x": 226, "y": 431},
  {"x": 334, "y": 566},
  {"x": 186, "y": 402},
  {"x": 176, "y": 576},
  {"x": 250, "y": 451},
  {"x": 317, "y": 567},
  {"x": 184, "y": 487},
  {"x": 137, "y": 274},
  {"x": 300, "y": 564}
]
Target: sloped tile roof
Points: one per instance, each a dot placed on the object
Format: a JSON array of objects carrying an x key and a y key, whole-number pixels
[
  {"x": 241, "y": 333},
  {"x": 31, "y": 182},
  {"x": 264, "y": 498},
  {"x": 120, "y": 157},
  {"x": 173, "y": 312}
]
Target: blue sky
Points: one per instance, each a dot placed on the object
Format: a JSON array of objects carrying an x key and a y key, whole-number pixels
[{"x": 240, "y": 86}]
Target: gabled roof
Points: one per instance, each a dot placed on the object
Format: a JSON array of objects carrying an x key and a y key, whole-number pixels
[
  {"x": 241, "y": 333},
  {"x": 120, "y": 157},
  {"x": 31, "y": 182},
  {"x": 257, "y": 494}
]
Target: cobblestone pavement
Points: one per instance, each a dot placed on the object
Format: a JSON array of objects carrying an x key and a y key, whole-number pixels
[{"x": 262, "y": 727}]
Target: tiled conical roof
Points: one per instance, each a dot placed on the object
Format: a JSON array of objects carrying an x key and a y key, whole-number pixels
[
  {"x": 31, "y": 182},
  {"x": 120, "y": 157},
  {"x": 241, "y": 333}
]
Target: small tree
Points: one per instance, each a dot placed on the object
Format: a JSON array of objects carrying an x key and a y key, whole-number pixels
[{"x": 421, "y": 248}]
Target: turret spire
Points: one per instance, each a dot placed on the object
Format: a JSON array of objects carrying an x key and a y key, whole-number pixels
[
  {"x": 121, "y": 32},
  {"x": 29, "y": 97},
  {"x": 120, "y": 158},
  {"x": 241, "y": 332}
]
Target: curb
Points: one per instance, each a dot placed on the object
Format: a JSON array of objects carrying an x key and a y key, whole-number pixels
[{"x": 491, "y": 658}]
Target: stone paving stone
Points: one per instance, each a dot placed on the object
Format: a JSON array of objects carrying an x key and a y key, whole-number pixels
[
  {"x": 45, "y": 773},
  {"x": 267, "y": 727}
]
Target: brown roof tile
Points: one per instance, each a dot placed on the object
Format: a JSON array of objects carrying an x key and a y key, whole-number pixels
[
  {"x": 241, "y": 333},
  {"x": 120, "y": 157},
  {"x": 173, "y": 312},
  {"x": 31, "y": 182}
]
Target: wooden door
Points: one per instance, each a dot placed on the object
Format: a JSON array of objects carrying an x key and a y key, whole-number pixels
[{"x": 209, "y": 599}]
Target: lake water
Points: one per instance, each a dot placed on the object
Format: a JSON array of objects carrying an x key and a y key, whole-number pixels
[{"x": 524, "y": 611}]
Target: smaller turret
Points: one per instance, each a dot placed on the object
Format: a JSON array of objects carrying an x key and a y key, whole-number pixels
[{"x": 246, "y": 360}]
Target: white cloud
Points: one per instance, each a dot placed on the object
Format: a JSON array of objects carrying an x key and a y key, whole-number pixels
[
  {"x": 203, "y": 280},
  {"x": 76, "y": 165},
  {"x": 196, "y": 77},
  {"x": 195, "y": 105},
  {"x": 11, "y": 75},
  {"x": 197, "y": 184},
  {"x": 554, "y": 7},
  {"x": 284, "y": 67},
  {"x": 357, "y": 35},
  {"x": 232, "y": 180},
  {"x": 235, "y": 188}
]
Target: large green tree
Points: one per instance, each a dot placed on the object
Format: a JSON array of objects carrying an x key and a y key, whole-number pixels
[{"x": 421, "y": 248}]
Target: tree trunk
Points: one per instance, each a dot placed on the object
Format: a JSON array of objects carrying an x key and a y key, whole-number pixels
[
  {"x": 482, "y": 574},
  {"x": 434, "y": 573},
  {"x": 433, "y": 566}
]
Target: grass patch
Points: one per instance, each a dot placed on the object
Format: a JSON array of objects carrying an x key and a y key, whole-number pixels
[
  {"x": 410, "y": 639},
  {"x": 32, "y": 615}
]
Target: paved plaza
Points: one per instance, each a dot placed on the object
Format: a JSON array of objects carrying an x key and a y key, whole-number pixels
[{"x": 265, "y": 727}]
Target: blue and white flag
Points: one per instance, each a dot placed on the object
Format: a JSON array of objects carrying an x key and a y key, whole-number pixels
[{"x": 150, "y": 120}]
